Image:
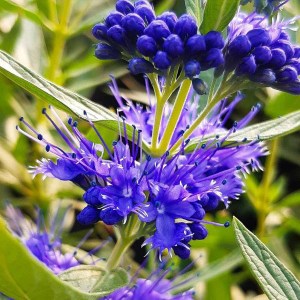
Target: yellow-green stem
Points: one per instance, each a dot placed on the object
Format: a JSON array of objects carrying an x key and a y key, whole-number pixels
[
  {"x": 175, "y": 115},
  {"x": 264, "y": 201}
]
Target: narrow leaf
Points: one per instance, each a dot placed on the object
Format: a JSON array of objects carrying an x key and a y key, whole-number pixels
[
  {"x": 274, "y": 278},
  {"x": 264, "y": 131},
  {"x": 218, "y": 14},
  {"x": 194, "y": 8}
]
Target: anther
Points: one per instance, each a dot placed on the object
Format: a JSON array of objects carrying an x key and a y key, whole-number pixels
[
  {"x": 44, "y": 111},
  {"x": 39, "y": 136},
  {"x": 226, "y": 224},
  {"x": 47, "y": 148},
  {"x": 224, "y": 181},
  {"x": 21, "y": 119}
]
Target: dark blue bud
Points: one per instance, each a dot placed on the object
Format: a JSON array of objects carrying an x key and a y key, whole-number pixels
[
  {"x": 169, "y": 18},
  {"x": 88, "y": 216},
  {"x": 192, "y": 68},
  {"x": 297, "y": 52},
  {"x": 182, "y": 251},
  {"x": 124, "y": 6},
  {"x": 296, "y": 64},
  {"x": 142, "y": 2},
  {"x": 247, "y": 66},
  {"x": 146, "y": 45},
  {"x": 213, "y": 58},
  {"x": 287, "y": 74},
  {"x": 195, "y": 45},
  {"x": 92, "y": 196},
  {"x": 200, "y": 86},
  {"x": 284, "y": 36},
  {"x": 278, "y": 59},
  {"x": 110, "y": 216},
  {"x": 133, "y": 25},
  {"x": 214, "y": 39},
  {"x": 161, "y": 60},
  {"x": 140, "y": 66},
  {"x": 99, "y": 31},
  {"x": 262, "y": 54},
  {"x": 146, "y": 13},
  {"x": 117, "y": 35},
  {"x": 286, "y": 47},
  {"x": 258, "y": 37},
  {"x": 114, "y": 18},
  {"x": 200, "y": 212},
  {"x": 240, "y": 46},
  {"x": 104, "y": 51},
  {"x": 210, "y": 201},
  {"x": 185, "y": 27},
  {"x": 158, "y": 30},
  {"x": 199, "y": 231},
  {"x": 265, "y": 76},
  {"x": 173, "y": 45},
  {"x": 290, "y": 87}
]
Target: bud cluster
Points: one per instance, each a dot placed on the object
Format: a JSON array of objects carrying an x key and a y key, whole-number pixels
[
  {"x": 265, "y": 56},
  {"x": 155, "y": 43}
]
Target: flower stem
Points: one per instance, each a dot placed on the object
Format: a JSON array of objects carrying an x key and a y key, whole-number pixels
[{"x": 175, "y": 115}]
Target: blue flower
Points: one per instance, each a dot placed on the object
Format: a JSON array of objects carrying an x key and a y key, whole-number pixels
[
  {"x": 263, "y": 52},
  {"x": 135, "y": 34},
  {"x": 45, "y": 246}
]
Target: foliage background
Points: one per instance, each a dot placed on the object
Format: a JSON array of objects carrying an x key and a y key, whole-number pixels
[{"x": 53, "y": 38}]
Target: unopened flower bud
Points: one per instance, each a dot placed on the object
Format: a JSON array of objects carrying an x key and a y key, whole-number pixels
[
  {"x": 262, "y": 54},
  {"x": 181, "y": 251},
  {"x": 99, "y": 31},
  {"x": 286, "y": 47},
  {"x": 240, "y": 46},
  {"x": 117, "y": 34},
  {"x": 287, "y": 74},
  {"x": 133, "y": 25},
  {"x": 173, "y": 45},
  {"x": 124, "y": 6},
  {"x": 185, "y": 27},
  {"x": 145, "y": 12},
  {"x": 210, "y": 201},
  {"x": 265, "y": 76},
  {"x": 247, "y": 66},
  {"x": 200, "y": 86},
  {"x": 104, "y": 51},
  {"x": 297, "y": 52},
  {"x": 296, "y": 64},
  {"x": 114, "y": 18},
  {"x": 258, "y": 37},
  {"x": 169, "y": 18},
  {"x": 278, "y": 59},
  {"x": 214, "y": 39},
  {"x": 158, "y": 30},
  {"x": 140, "y": 66},
  {"x": 92, "y": 196},
  {"x": 161, "y": 60},
  {"x": 88, "y": 216},
  {"x": 146, "y": 45},
  {"x": 192, "y": 68},
  {"x": 214, "y": 58},
  {"x": 199, "y": 231},
  {"x": 195, "y": 45},
  {"x": 142, "y": 2}
]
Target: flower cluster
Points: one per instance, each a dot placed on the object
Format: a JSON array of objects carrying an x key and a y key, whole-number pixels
[
  {"x": 171, "y": 193},
  {"x": 263, "y": 53},
  {"x": 155, "y": 43},
  {"x": 45, "y": 246}
]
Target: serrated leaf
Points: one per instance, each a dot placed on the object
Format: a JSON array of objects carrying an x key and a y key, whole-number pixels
[
  {"x": 194, "y": 8},
  {"x": 22, "y": 276},
  {"x": 274, "y": 278},
  {"x": 218, "y": 14},
  {"x": 265, "y": 130}
]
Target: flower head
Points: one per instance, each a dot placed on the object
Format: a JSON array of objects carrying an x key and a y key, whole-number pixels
[
  {"x": 263, "y": 53},
  {"x": 153, "y": 43}
]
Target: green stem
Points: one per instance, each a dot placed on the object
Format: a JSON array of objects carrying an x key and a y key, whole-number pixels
[
  {"x": 120, "y": 248},
  {"x": 175, "y": 115},
  {"x": 264, "y": 201},
  {"x": 59, "y": 41}
]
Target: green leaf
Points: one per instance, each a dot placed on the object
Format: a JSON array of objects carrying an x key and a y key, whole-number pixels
[
  {"x": 218, "y": 14},
  {"x": 194, "y": 8},
  {"x": 265, "y": 130},
  {"x": 95, "y": 279},
  {"x": 289, "y": 201},
  {"x": 274, "y": 278},
  {"x": 22, "y": 276}
]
